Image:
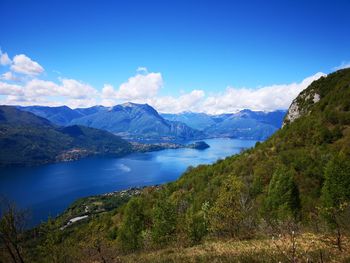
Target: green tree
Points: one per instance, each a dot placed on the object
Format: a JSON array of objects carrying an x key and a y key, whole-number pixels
[
  {"x": 164, "y": 221},
  {"x": 226, "y": 216},
  {"x": 130, "y": 232},
  {"x": 50, "y": 249},
  {"x": 197, "y": 225},
  {"x": 336, "y": 187},
  {"x": 336, "y": 194},
  {"x": 282, "y": 201}
]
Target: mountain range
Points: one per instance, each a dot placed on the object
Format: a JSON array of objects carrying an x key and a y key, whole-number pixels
[
  {"x": 245, "y": 124},
  {"x": 129, "y": 120},
  {"x": 142, "y": 122}
]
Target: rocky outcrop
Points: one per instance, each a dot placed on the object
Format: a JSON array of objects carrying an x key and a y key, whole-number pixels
[
  {"x": 292, "y": 114},
  {"x": 301, "y": 106}
]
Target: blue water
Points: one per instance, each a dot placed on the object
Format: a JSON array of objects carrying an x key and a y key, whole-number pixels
[{"x": 49, "y": 189}]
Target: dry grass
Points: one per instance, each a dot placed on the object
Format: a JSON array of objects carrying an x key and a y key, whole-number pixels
[{"x": 309, "y": 248}]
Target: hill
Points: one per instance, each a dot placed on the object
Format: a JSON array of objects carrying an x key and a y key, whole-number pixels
[
  {"x": 286, "y": 200},
  {"x": 26, "y": 139}
]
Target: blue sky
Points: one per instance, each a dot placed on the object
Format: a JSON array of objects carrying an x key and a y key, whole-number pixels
[{"x": 196, "y": 45}]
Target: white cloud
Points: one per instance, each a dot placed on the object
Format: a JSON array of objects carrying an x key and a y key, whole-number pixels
[
  {"x": 77, "y": 94},
  {"x": 41, "y": 92},
  {"x": 108, "y": 92},
  {"x": 4, "y": 59},
  {"x": 9, "y": 76},
  {"x": 266, "y": 98},
  {"x": 76, "y": 89},
  {"x": 142, "y": 88},
  {"x": 186, "y": 102},
  {"x": 108, "y": 95},
  {"x": 138, "y": 87},
  {"x": 10, "y": 89},
  {"x": 31, "y": 90},
  {"x": 343, "y": 65},
  {"x": 25, "y": 101},
  {"x": 40, "y": 88},
  {"x": 81, "y": 103},
  {"x": 23, "y": 64},
  {"x": 68, "y": 88},
  {"x": 142, "y": 70}
]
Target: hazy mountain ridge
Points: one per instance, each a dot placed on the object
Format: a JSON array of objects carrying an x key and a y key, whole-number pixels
[
  {"x": 142, "y": 122},
  {"x": 199, "y": 121},
  {"x": 245, "y": 124}
]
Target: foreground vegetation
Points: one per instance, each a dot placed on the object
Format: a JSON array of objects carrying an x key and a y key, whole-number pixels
[{"x": 286, "y": 200}]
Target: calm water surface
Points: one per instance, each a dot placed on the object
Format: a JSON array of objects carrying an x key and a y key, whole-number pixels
[{"x": 49, "y": 189}]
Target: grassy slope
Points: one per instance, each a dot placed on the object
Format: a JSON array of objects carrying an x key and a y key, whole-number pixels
[{"x": 256, "y": 250}]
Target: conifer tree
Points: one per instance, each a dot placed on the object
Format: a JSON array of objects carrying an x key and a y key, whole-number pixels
[{"x": 282, "y": 200}]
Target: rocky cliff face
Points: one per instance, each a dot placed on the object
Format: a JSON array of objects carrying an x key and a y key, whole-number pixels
[
  {"x": 301, "y": 105},
  {"x": 292, "y": 114}
]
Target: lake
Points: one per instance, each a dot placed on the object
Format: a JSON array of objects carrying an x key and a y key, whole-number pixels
[{"x": 49, "y": 189}]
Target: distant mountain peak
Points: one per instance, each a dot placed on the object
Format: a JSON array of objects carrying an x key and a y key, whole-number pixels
[
  {"x": 134, "y": 107},
  {"x": 246, "y": 110},
  {"x": 130, "y": 104}
]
